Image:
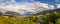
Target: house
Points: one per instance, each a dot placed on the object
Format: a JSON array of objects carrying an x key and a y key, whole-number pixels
[{"x": 6, "y": 15}]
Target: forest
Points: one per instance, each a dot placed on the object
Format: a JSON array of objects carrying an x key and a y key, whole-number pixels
[{"x": 48, "y": 18}]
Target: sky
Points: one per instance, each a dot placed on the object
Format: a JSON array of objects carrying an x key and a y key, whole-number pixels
[
  {"x": 50, "y": 2},
  {"x": 27, "y": 7}
]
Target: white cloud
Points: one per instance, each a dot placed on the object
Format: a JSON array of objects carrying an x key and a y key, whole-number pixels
[
  {"x": 41, "y": 5},
  {"x": 58, "y": 5},
  {"x": 34, "y": 7},
  {"x": 51, "y": 7}
]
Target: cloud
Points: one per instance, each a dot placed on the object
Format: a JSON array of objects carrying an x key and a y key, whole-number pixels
[
  {"x": 24, "y": 7},
  {"x": 58, "y": 5},
  {"x": 51, "y": 7}
]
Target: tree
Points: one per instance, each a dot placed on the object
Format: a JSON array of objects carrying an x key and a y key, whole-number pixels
[
  {"x": 1, "y": 13},
  {"x": 51, "y": 17}
]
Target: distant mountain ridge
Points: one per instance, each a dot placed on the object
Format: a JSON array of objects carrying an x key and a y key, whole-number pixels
[
  {"x": 28, "y": 13},
  {"x": 13, "y": 13},
  {"x": 50, "y": 11}
]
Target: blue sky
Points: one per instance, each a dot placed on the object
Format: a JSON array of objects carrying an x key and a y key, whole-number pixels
[
  {"x": 50, "y": 2},
  {"x": 42, "y": 1}
]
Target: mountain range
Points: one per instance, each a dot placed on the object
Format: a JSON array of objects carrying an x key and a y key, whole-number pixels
[
  {"x": 49, "y": 11},
  {"x": 28, "y": 13}
]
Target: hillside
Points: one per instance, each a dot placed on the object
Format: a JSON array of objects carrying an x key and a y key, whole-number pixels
[{"x": 49, "y": 11}]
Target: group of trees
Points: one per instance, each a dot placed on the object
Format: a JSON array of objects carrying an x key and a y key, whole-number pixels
[
  {"x": 51, "y": 18},
  {"x": 48, "y": 18}
]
